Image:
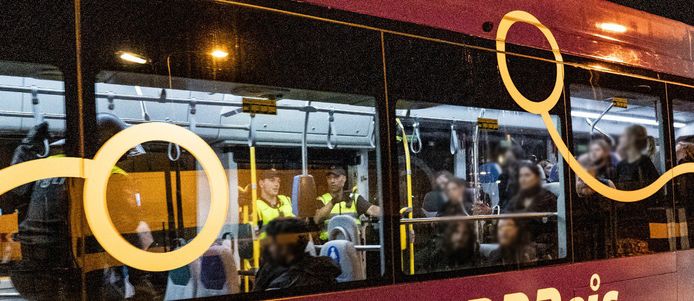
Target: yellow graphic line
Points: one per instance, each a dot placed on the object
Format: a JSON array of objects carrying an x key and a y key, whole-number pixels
[
  {"x": 542, "y": 108},
  {"x": 31, "y": 171}
]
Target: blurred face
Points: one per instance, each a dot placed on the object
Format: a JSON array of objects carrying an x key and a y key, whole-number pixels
[
  {"x": 548, "y": 168},
  {"x": 441, "y": 182},
  {"x": 507, "y": 232},
  {"x": 597, "y": 153},
  {"x": 270, "y": 187},
  {"x": 336, "y": 182},
  {"x": 527, "y": 179},
  {"x": 626, "y": 141},
  {"x": 455, "y": 192},
  {"x": 460, "y": 237},
  {"x": 280, "y": 251}
]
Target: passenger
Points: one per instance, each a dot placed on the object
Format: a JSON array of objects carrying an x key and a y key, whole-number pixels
[
  {"x": 546, "y": 166},
  {"x": 286, "y": 264},
  {"x": 271, "y": 204},
  {"x": 531, "y": 196},
  {"x": 602, "y": 159},
  {"x": 339, "y": 201},
  {"x": 508, "y": 180},
  {"x": 436, "y": 198},
  {"x": 684, "y": 153},
  {"x": 592, "y": 217},
  {"x": 459, "y": 201},
  {"x": 514, "y": 247},
  {"x": 455, "y": 248},
  {"x": 636, "y": 170}
]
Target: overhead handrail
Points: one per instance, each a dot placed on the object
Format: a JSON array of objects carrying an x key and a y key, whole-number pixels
[
  {"x": 416, "y": 138},
  {"x": 332, "y": 133},
  {"x": 372, "y": 132},
  {"x": 304, "y": 139},
  {"x": 455, "y": 143},
  {"x": 600, "y": 130},
  {"x": 111, "y": 101},
  {"x": 427, "y": 220},
  {"x": 171, "y": 148},
  {"x": 38, "y": 119}
]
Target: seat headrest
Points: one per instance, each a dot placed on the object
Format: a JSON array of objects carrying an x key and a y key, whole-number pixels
[
  {"x": 346, "y": 256},
  {"x": 343, "y": 227}
]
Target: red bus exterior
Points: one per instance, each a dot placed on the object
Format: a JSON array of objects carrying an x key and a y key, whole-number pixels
[{"x": 649, "y": 42}]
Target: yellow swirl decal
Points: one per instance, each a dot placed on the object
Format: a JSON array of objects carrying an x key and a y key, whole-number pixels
[
  {"x": 96, "y": 173},
  {"x": 542, "y": 108}
]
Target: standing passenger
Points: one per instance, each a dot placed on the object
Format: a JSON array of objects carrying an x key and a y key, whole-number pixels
[
  {"x": 271, "y": 204},
  {"x": 339, "y": 201}
]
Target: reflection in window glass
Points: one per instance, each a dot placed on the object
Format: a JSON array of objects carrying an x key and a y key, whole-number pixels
[
  {"x": 682, "y": 100},
  {"x": 486, "y": 188},
  {"x": 617, "y": 137},
  {"x": 36, "y": 248},
  {"x": 310, "y": 217}
]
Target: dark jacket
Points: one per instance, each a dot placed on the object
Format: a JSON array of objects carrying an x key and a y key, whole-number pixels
[
  {"x": 632, "y": 218},
  {"x": 535, "y": 200},
  {"x": 308, "y": 271},
  {"x": 434, "y": 257}
]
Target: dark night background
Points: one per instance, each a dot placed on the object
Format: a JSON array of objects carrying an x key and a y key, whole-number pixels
[{"x": 681, "y": 10}]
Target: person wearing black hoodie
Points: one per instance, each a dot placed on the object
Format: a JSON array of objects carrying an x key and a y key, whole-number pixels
[
  {"x": 455, "y": 248},
  {"x": 285, "y": 262}
]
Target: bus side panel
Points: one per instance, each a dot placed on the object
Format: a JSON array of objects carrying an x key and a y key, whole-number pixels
[
  {"x": 685, "y": 275},
  {"x": 651, "y": 277}
]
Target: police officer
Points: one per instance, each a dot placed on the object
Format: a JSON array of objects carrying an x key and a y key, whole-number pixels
[
  {"x": 271, "y": 204},
  {"x": 339, "y": 201}
]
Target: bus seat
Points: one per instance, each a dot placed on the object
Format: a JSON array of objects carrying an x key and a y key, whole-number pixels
[
  {"x": 486, "y": 249},
  {"x": 182, "y": 282},
  {"x": 218, "y": 273},
  {"x": 346, "y": 256},
  {"x": 343, "y": 227},
  {"x": 304, "y": 196},
  {"x": 489, "y": 172},
  {"x": 553, "y": 187}
]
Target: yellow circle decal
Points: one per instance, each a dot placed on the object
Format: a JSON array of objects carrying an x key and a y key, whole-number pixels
[
  {"x": 527, "y": 104},
  {"x": 98, "y": 171}
]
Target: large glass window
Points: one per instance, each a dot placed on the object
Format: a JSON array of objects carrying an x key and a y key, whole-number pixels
[
  {"x": 618, "y": 138},
  {"x": 479, "y": 187},
  {"x": 304, "y": 207},
  {"x": 36, "y": 245},
  {"x": 682, "y": 100}
]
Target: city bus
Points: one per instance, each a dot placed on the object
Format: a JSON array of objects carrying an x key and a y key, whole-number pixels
[{"x": 520, "y": 150}]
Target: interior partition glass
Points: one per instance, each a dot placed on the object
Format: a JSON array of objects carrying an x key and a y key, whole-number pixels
[
  {"x": 618, "y": 138},
  {"x": 479, "y": 187},
  {"x": 301, "y": 166},
  {"x": 682, "y": 100}
]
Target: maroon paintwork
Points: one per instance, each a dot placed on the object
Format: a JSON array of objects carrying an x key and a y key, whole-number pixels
[
  {"x": 651, "y": 42},
  {"x": 662, "y": 277}
]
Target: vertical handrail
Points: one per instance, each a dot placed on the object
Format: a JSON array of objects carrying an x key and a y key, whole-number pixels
[{"x": 408, "y": 170}]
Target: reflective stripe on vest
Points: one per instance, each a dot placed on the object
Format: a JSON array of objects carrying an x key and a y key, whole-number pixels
[
  {"x": 266, "y": 213},
  {"x": 339, "y": 209}
]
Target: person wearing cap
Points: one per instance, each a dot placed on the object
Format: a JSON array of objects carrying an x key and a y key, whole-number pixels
[
  {"x": 271, "y": 204},
  {"x": 339, "y": 201}
]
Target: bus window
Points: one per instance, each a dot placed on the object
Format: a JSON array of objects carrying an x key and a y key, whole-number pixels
[
  {"x": 479, "y": 187},
  {"x": 304, "y": 204},
  {"x": 36, "y": 245},
  {"x": 682, "y": 99},
  {"x": 618, "y": 138}
]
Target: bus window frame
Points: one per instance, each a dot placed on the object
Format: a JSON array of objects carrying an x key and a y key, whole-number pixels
[
  {"x": 98, "y": 57},
  {"x": 509, "y": 105},
  {"x": 623, "y": 78}
]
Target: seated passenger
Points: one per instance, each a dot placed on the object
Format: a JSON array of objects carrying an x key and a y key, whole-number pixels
[
  {"x": 684, "y": 153},
  {"x": 514, "y": 247},
  {"x": 436, "y": 198},
  {"x": 455, "y": 248},
  {"x": 546, "y": 166},
  {"x": 285, "y": 262},
  {"x": 339, "y": 201},
  {"x": 531, "y": 196},
  {"x": 459, "y": 201}
]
